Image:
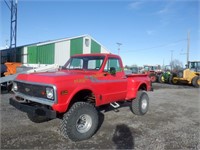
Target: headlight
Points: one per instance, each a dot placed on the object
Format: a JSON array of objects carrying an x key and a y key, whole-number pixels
[
  {"x": 50, "y": 93},
  {"x": 14, "y": 88}
]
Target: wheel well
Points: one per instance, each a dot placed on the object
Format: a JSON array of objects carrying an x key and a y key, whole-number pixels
[
  {"x": 83, "y": 96},
  {"x": 142, "y": 87},
  {"x": 197, "y": 73}
]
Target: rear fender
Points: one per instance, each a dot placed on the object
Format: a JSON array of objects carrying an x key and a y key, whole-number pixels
[{"x": 132, "y": 89}]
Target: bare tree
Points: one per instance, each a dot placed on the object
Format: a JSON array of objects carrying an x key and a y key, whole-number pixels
[{"x": 176, "y": 64}]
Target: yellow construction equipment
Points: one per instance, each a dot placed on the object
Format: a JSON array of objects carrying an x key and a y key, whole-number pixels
[{"x": 191, "y": 75}]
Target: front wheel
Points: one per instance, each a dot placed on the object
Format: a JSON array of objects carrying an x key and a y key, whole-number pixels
[
  {"x": 173, "y": 80},
  {"x": 80, "y": 122},
  {"x": 140, "y": 104},
  {"x": 196, "y": 81}
]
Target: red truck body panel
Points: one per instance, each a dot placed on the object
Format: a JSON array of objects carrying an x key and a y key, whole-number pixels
[{"x": 106, "y": 87}]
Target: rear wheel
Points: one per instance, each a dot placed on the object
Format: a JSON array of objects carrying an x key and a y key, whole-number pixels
[
  {"x": 153, "y": 77},
  {"x": 80, "y": 122},
  {"x": 140, "y": 104},
  {"x": 196, "y": 81},
  {"x": 161, "y": 78}
]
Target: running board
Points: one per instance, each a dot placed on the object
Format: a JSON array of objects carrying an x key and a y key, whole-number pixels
[{"x": 115, "y": 105}]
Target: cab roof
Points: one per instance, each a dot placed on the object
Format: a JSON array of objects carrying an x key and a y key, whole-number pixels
[{"x": 96, "y": 54}]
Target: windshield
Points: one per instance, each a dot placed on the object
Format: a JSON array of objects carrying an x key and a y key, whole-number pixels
[
  {"x": 85, "y": 63},
  {"x": 194, "y": 66},
  {"x": 150, "y": 68}
]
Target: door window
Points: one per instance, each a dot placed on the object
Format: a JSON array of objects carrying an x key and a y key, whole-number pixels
[{"x": 112, "y": 62}]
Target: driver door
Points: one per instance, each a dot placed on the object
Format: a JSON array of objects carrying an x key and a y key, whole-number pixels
[{"x": 114, "y": 81}]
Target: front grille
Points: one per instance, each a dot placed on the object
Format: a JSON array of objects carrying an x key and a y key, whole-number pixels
[{"x": 32, "y": 90}]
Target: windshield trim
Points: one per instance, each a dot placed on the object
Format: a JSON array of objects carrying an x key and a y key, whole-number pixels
[{"x": 86, "y": 58}]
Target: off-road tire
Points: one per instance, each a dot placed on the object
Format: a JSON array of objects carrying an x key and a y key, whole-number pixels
[
  {"x": 153, "y": 77},
  {"x": 160, "y": 79},
  {"x": 173, "y": 81},
  {"x": 196, "y": 81},
  {"x": 37, "y": 119},
  {"x": 140, "y": 104},
  {"x": 73, "y": 121}
]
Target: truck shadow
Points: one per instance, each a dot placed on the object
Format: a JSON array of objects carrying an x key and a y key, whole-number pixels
[
  {"x": 107, "y": 108},
  {"x": 123, "y": 138},
  {"x": 101, "y": 120}
]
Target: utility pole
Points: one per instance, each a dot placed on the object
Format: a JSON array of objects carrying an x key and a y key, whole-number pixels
[
  {"x": 13, "y": 25},
  {"x": 119, "y": 44},
  {"x": 188, "y": 46},
  {"x": 172, "y": 55},
  {"x": 172, "y": 59},
  {"x": 13, "y": 22},
  {"x": 163, "y": 66}
]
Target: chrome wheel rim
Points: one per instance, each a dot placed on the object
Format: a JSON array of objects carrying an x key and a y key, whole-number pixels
[
  {"x": 84, "y": 123},
  {"x": 144, "y": 104}
]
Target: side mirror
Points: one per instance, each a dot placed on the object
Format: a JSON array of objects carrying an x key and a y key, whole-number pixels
[{"x": 112, "y": 70}]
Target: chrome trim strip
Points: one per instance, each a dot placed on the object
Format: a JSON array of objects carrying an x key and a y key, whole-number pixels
[{"x": 37, "y": 99}]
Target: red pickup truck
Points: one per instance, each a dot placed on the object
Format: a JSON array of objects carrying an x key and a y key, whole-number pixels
[{"x": 76, "y": 92}]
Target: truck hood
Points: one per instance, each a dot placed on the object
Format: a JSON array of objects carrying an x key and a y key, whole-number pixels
[{"x": 53, "y": 77}]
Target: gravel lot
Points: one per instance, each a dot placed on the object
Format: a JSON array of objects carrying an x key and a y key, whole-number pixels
[{"x": 173, "y": 122}]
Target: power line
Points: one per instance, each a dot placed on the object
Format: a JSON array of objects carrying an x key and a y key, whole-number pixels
[
  {"x": 7, "y": 5},
  {"x": 163, "y": 45}
]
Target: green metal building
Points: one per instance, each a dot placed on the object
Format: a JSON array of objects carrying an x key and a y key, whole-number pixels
[{"x": 54, "y": 52}]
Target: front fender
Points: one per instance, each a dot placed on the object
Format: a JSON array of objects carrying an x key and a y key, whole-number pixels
[{"x": 63, "y": 107}]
